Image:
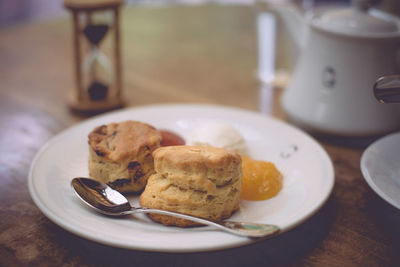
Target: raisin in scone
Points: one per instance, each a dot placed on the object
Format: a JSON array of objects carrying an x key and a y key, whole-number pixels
[
  {"x": 195, "y": 180},
  {"x": 121, "y": 154}
]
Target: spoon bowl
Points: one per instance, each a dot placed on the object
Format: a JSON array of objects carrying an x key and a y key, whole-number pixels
[{"x": 108, "y": 201}]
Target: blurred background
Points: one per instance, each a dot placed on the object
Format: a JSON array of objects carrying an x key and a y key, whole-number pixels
[
  {"x": 15, "y": 11},
  {"x": 22, "y": 12}
]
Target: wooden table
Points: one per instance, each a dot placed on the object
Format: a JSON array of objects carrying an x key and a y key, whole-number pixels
[{"x": 203, "y": 54}]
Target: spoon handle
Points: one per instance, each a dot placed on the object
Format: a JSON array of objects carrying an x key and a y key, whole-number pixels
[{"x": 238, "y": 228}]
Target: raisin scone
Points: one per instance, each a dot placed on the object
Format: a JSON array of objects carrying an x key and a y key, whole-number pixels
[
  {"x": 194, "y": 180},
  {"x": 121, "y": 154}
]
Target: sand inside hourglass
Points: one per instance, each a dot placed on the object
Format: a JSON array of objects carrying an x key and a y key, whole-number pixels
[{"x": 96, "y": 65}]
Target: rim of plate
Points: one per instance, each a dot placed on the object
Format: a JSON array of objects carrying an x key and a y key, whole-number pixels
[{"x": 330, "y": 178}]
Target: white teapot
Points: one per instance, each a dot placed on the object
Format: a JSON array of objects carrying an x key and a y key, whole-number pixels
[{"x": 343, "y": 52}]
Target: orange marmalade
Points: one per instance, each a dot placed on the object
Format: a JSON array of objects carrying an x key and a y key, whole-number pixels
[{"x": 261, "y": 180}]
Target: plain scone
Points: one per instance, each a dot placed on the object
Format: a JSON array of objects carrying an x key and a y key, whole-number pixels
[
  {"x": 194, "y": 180},
  {"x": 121, "y": 154}
]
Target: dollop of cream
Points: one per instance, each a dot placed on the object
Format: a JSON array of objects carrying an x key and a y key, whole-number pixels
[{"x": 219, "y": 134}]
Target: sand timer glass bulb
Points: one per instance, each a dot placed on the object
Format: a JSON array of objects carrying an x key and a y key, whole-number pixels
[
  {"x": 96, "y": 66},
  {"x": 97, "y": 55}
]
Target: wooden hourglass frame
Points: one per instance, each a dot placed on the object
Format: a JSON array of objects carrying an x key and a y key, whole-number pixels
[{"x": 96, "y": 91}]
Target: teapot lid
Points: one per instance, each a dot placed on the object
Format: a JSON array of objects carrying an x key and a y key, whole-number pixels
[{"x": 358, "y": 20}]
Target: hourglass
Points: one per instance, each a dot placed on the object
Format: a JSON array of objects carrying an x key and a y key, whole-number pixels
[{"x": 97, "y": 55}]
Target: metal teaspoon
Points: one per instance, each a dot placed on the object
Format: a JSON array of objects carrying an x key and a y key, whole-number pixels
[{"x": 110, "y": 202}]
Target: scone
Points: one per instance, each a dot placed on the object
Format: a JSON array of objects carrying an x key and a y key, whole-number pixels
[
  {"x": 121, "y": 154},
  {"x": 195, "y": 180}
]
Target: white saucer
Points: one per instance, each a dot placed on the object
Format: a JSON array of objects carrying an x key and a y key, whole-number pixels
[{"x": 380, "y": 165}]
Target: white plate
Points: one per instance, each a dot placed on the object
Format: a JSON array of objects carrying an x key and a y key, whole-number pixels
[
  {"x": 380, "y": 165},
  {"x": 306, "y": 167}
]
